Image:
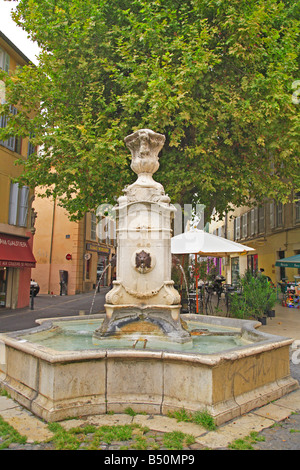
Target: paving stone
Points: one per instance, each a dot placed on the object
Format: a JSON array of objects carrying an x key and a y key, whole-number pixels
[
  {"x": 97, "y": 420},
  {"x": 237, "y": 429},
  {"x": 246, "y": 424},
  {"x": 165, "y": 424},
  {"x": 110, "y": 420},
  {"x": 274, "y": 411},
  {"x": 292, "y": 400},
  {"x": 214, "y": 440},
  {"x": 7, "y": 403},
  {"x": 27, "y": 425}
]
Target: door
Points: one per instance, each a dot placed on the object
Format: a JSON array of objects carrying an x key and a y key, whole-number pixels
[
  {"x": 3, "y": 274},
  {"x": 235, "y": 270}
]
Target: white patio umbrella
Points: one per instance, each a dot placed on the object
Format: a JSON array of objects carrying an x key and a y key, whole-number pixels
[
  {"x": 205, "y": 244},
  {"x": 202, "y": 243}
]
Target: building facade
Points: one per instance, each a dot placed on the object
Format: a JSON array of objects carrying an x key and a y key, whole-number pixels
[
  {"x": 16, "y": 213},
  {"x": 70, "y": 257},
  {"x": 273, "y": 230}
]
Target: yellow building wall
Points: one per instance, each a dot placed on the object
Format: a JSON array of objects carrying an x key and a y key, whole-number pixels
[
  {"x": 266, "y": 245},
  {"x": 8, "y": 167},
  {"x": 55, "y": 238},
  {"x": 16, "y": 284}
]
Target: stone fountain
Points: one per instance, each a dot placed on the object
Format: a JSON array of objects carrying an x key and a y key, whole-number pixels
[
  {"x": 143, "y": 299},
  {"x": 141, "y": 353}
]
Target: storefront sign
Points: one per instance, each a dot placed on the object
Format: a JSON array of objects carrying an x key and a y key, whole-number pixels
[
  {"x": 11, "y": 242},
  {"x": 15, "y": 252},
  {"x": 16, "y": 264},
  {"x": 97, "y": 248}
]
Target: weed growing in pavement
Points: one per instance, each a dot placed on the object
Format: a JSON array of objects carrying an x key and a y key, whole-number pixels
[
  {"x": 9, "y": 435},
  {"x": 177, "y": 440},
  {"x": 129, "y": 411},
  {"x": 4, "y": 393},
  {"x": 247, "y": 442},
  {"x": 202, "y": 418},
  {"x": 129, "y": 436}
]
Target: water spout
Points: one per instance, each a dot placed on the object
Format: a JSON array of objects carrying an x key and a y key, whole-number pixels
[
  {"x": 97, "y": 287},
  {"x": 185, "y": 282}
]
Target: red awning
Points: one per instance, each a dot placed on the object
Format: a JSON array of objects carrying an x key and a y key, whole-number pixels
[{"x": 15, "y": 252}]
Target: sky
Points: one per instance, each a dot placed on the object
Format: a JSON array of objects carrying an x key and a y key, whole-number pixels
[{"x": 16, "y": 34}]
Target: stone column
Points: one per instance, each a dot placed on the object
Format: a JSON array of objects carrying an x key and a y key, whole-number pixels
[{"x": 143, "y": 288}]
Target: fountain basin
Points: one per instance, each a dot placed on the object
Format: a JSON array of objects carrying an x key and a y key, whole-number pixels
[{"x": 56, "y": 384}]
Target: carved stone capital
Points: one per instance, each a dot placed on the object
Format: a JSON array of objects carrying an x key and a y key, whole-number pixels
[{"x": 145, "y": 146}]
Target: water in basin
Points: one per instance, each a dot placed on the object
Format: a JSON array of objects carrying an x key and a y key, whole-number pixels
[{"x": 78, "y": 335}]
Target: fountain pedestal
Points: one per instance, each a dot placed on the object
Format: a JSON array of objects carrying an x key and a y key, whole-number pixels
[{"x": 143, "y": 299}]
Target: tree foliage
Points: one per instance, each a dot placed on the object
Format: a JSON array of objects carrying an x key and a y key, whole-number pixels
[{"x": 214, "y": 76}]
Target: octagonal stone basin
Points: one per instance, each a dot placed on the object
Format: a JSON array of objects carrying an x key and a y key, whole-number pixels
[{"x": 59, "y": 370}]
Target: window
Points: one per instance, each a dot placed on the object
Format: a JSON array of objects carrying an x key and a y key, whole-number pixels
[
  {"x": 276, "y": 214},
  {"x": 12, "y": 143},
  {"x": 18, "y": 205},
  {"x": 88, "y": 269},
  {"x": 4, "y": 60},
  {"x": 31, "y": 147},
  {"x": 252, "y": 263}
]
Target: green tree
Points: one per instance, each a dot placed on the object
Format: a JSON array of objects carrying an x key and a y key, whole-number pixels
[{"x": 214, "y": 76}]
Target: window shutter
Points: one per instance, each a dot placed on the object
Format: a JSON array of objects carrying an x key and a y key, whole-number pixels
[
  {"x": 6, "y": 62},
  {"x": 245, "y": 225},
  {"x": 93, "y": 226},
  {"x": 261, "y": 219},
  {"x": 279, "y": 214},
  {"x": 13, "y": 203},
  {"x": 238, "y": 228},
  {"x": 297, "y": 207},
  {"x": 272, "y": 221},
  {"x": 23, "y": 206}
]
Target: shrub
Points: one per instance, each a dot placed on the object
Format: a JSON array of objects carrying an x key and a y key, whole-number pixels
[{"x": 257, "y": 296}]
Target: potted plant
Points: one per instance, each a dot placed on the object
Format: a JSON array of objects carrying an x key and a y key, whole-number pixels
[{"x": 256, "y": 299}]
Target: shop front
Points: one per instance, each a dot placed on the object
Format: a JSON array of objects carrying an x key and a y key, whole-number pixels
[
  {"x": 16, "y": 261},
  {"x": 102, "y": 255}
]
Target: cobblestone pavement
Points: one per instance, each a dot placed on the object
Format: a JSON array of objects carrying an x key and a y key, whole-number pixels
[{"x": 284, "y": 435}]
